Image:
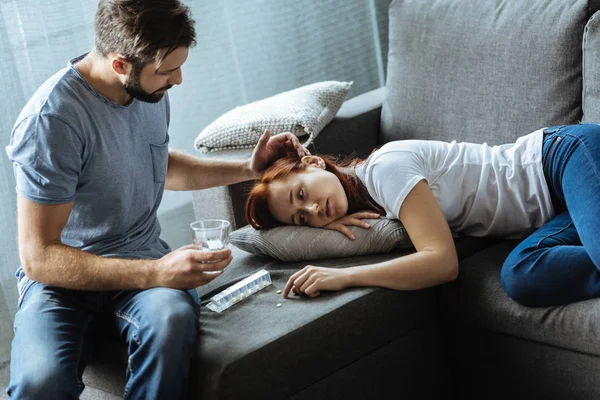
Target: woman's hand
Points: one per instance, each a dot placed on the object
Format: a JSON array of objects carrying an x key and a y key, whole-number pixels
[
  {"x": 271, "y": 148},
  {"x": 310, "y": 280},
  {"x": 356, "y": 219}
]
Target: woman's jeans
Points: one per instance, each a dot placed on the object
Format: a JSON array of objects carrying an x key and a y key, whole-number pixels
[
  {"x": 52, "y": 330},
  {"x": 560, "y": 262}
]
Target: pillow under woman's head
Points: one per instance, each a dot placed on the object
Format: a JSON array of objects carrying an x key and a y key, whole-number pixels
[{"x": 303, "y": 243}]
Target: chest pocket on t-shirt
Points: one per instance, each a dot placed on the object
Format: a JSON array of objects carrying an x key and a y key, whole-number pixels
[{"x": 160, "y": 160}]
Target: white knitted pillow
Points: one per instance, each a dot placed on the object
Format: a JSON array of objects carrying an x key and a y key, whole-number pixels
[{"x": 302, "y": 111}]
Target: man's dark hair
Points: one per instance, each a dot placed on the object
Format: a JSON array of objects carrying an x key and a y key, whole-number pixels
[{"x": 140, "y": 29}]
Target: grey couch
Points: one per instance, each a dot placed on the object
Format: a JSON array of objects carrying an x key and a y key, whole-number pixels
[{"x": 485, "y": 70}]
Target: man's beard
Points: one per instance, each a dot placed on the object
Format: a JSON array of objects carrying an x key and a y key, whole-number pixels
[{"x": 134, "y": 88}]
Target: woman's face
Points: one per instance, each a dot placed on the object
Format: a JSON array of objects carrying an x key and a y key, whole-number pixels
[{"x": 312, "y": 197}]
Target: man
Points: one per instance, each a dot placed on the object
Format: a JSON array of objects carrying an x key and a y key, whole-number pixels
[{"x": 91, "y": 160}]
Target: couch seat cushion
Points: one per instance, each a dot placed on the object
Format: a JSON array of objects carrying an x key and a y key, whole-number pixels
[
  {"x": 258, "y": 350},
  {"x": 478, "y": 299}
]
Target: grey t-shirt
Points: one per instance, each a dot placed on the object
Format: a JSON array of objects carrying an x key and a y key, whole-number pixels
[{"x": 72, "y": 144}]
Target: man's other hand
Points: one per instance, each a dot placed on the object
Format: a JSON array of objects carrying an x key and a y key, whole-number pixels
[{"x": 271, "y": 148}]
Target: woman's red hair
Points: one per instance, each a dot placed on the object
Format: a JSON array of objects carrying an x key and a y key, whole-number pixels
[{"x": 257, "y": 209}]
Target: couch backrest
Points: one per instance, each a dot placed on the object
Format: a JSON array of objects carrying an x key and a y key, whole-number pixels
[
  {"x": 489, "y": 70},
  {"x": 591, "y": 70}
]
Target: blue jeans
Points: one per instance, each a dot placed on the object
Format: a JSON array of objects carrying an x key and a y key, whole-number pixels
[
  {"x": 52, "y": 339},
  {"x": 560, "y": 262}
]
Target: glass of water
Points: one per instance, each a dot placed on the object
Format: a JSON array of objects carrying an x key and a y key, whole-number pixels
[{"x": 210, "y": 234}]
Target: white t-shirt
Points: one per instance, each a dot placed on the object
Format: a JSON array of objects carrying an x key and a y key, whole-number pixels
[{"x": 482, "y": 190}]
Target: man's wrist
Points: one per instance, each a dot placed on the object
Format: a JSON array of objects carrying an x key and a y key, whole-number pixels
[
  {"x": 250, "y": 173},
  {"x": 150, "y": 278}
]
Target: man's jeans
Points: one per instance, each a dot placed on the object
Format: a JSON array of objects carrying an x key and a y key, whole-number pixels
[
  {"x": 560, "y": 262},
  {"x": 50, "y": 347}
]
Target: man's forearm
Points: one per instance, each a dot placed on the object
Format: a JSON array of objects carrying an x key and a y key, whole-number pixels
[
  {"x": 67, "y": 267},
  {"x": 190, "y": 173}
]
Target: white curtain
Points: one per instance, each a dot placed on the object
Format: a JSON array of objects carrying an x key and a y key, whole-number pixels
[
  {"x": 247, "y": 50},
  {"x": 36, "y": 40}
]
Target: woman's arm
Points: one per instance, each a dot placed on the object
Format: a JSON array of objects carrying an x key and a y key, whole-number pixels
[{"x": 434, "y": 262}]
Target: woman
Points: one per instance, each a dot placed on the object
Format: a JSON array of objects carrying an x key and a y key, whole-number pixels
[{"x": 547, "y": 182}]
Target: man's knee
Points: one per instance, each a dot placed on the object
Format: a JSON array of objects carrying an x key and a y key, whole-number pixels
[
  {"x": 174, "y": 323},
  {"x": 42, "y": 379}
]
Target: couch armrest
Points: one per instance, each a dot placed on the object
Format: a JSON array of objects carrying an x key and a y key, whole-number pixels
[{"x": 355, "y": 129}]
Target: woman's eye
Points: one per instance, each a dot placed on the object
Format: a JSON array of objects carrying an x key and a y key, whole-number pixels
[
  {"x": 301, "y": 194},
  {"x": 302, "y": 219}
]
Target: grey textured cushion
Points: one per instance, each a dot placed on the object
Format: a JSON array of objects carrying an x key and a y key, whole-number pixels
[
  {"x": 591, "y": 72},
  {"x": 300, "y": 243},
  {"x": 486, "y": 70},
  {"x": 302, "y": 111}
]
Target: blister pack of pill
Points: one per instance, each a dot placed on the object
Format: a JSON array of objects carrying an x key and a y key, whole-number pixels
[{"x": 239, "y": 291}]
